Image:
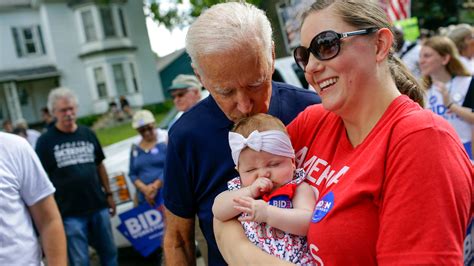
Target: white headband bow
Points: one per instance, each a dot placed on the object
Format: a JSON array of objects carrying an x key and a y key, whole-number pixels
[{"x": 272, "y": 141}]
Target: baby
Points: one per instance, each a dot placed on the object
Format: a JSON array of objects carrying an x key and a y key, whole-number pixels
[{"x": 274, "y": 202}]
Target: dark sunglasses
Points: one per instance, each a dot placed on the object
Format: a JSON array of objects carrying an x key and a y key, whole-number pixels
[
  {"x": 146, "y": 128},
  {"x": 325, "y": 46},
  {"x": 179, "y": 94}
]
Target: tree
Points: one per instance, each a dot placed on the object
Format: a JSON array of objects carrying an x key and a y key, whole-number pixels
[
  {"x": 436, "y": 13},
  {"x": 171, "y": 13}
]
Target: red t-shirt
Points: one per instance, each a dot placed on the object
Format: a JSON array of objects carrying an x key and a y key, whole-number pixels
[{"x": 404, "y": 195}]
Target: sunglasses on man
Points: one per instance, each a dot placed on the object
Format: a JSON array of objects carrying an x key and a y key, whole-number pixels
[
  {"x": 325, "y": 46},
  {"x": 179, "y": 94}
]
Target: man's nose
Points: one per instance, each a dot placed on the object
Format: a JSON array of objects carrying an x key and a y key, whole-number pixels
[{"x": 244, "y": 103}]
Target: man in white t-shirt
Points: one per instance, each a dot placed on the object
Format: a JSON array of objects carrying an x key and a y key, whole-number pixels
[{"x": 26, "y": 198}]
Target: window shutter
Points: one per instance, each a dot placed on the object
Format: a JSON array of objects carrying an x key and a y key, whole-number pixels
[
  {"x": 16, "y": 38},
  {"x": 40, "y": 36}
]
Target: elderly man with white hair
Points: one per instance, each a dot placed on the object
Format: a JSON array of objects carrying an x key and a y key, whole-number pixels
[
  {"x": 73, "y": 159},
  {"x": 233, "y": 56}
]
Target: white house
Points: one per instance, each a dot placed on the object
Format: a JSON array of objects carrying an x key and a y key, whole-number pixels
[{"x": 100, "y": 51}]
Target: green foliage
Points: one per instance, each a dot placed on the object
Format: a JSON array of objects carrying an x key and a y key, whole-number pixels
[
  {"x": 172, "y": 17},
  {"x": 115, "y": 134},
  {"x": 111, "y": 135},
  {"x": 123, "y": 131},
  {"x": 159, "y": 108},
  {"x": 88, "y": 120},
  {"x": 436, "y": 13}
]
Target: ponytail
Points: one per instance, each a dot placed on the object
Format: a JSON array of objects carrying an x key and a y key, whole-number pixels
[{"x": 405, "y": 81}]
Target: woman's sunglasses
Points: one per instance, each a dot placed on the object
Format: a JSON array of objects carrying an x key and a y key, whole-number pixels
[
  {"x": 324, "y": 46},
  {"x": 145, "y": 128}
]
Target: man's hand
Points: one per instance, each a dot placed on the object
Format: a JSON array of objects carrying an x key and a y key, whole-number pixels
[
  {"x": 255, "y": 210},
  {"x": 111, "y": 204},
  {"x": 260, "y": 186}
]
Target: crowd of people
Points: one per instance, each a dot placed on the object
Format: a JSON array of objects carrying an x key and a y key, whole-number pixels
[{"x": 376, "y": 167}]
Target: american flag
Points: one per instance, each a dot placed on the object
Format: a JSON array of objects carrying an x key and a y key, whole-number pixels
[{"x": 397, "y": 9}]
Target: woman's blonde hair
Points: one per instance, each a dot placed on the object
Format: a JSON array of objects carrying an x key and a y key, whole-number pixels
[
  {"x": 367, "y": 14},
  {"x": 260, "y": 122},
  {"x": 445, "y": 46},
  {"x": 459, "y": 35}
]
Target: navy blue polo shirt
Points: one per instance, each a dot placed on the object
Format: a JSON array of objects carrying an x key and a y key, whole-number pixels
[{"x": 199, "y": 161}]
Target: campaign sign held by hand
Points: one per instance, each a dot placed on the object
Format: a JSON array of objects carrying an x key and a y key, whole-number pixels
[{"x": 143, "y": 227}]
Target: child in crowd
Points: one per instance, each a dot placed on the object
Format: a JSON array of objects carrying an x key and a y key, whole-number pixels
[{"x": 274, "y": 202}]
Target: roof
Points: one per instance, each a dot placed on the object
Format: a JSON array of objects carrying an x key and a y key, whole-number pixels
[
  {"x": 4, "y": 4},
  {"x": 29, "y": 73},
  {"x": 164, "y": 61}
]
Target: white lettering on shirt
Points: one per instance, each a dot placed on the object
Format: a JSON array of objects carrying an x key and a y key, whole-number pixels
[
  {"x": 313, "y": 249},
  {"x": 318, "y": 169},
  {"x": 73, "y": 153}
]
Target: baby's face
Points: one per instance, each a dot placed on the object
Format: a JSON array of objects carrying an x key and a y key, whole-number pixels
[{"x": 254, "y": 164}]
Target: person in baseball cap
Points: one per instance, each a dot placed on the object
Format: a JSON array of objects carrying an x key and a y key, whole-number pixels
[
  {"x": 185, "y": 91},
  {"x": 142, "y": 118}
]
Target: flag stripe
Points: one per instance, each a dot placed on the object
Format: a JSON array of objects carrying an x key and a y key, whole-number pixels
[{"x": 397, "y": 9}]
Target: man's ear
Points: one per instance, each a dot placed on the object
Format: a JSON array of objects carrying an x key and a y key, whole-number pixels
[
  {"x": 273, "y": 57},
  {"x": 384, "y": 42},
  {"x": 196, "y": 72}
]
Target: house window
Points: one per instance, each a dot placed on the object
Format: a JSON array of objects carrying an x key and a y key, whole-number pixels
[
  {"x": 122, "y": 22},
  {"x": 120, "y": 82},
  {"x": 22, "y": 96},
  {"x": 107, "y": 22},
  {"x": 100, "y": 82},
  {"x": 88, "y": 25},
  {"x": 134, "y": 77},
  {"x": 28, "y": 41}
]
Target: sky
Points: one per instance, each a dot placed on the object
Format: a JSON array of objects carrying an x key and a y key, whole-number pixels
[{"x": 163, "y": 41}]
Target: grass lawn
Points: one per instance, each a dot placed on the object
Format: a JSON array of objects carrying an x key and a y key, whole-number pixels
[{"x": 115, "y": 134}]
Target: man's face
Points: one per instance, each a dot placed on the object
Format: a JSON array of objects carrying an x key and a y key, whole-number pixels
[
  {"x": 184, "y": 99},
  {"x": 239, "y": 80},
  {"x": 65, "y": 112}
]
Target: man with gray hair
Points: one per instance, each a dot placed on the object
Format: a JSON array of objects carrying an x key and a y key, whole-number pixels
[
  {"x": 232, "y": 54},
  {"x": 73, "y": 159},
  {"x": 186, "y": 92}
]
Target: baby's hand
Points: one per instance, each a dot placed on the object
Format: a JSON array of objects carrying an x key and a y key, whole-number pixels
[
  {"x": 260, "y": 186},
  {"x": 255, "y": 210}
]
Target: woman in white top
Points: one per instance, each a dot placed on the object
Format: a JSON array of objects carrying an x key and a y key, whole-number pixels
[{"x": 447, "y": 83}]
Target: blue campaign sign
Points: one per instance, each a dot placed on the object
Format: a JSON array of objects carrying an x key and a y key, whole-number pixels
[{"x": 143, "y": 227}]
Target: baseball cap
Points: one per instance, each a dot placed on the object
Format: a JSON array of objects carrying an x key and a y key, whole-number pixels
[
  {"x": 142, "y": 118},
  {"x": 183, "y": 81}
]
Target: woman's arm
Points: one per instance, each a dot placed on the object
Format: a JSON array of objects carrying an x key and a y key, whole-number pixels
[
  {"x": 465, "y": 113},
  {"x": 233, "y": 244},
  {"x": 427, "y": 195}
]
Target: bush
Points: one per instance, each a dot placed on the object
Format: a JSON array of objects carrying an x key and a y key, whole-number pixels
[
  {"x": 88, "y": 120},
  {"x": 159, "y": 108}
]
